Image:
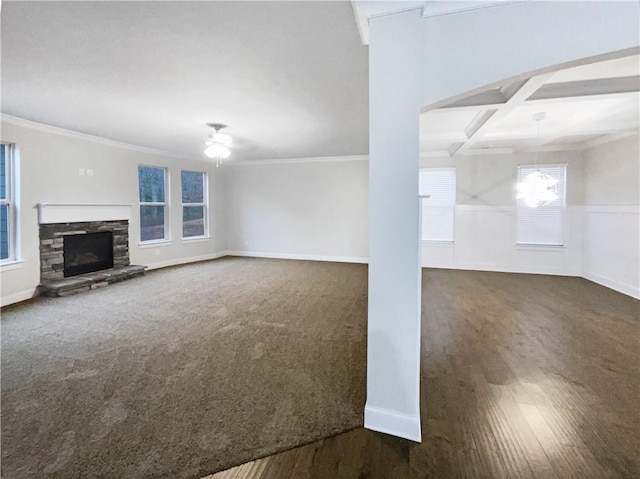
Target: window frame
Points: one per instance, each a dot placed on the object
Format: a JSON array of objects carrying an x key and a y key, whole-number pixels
[
  {"x": 204, "y": 205},
  {"x": 165, "y": 205},
  {"x": 453, "y": 207},
  {"x": 519, "y": 206},
  {"x": 11, "y": 200}
]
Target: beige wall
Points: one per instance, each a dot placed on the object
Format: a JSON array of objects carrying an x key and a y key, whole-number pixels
[
  {"x": 491, "y": 179},
  {"x": 612, "y": 173},
  {"x": 485, "y": 222},
  {"x": 611, "y": 225},
  {"x": 49, "y": 173},
  {"x": 315, "y": 210}
]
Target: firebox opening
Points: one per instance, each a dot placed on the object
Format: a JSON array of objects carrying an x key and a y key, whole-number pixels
[{"x": 86, "y": 253}]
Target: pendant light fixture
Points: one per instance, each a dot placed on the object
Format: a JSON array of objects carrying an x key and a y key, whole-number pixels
[
  {"x": 218, "y": 144},
  {"x": 537, "y": 189}
]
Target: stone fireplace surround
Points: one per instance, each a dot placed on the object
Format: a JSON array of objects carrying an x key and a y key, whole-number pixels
[{"x": 58, "y": 220}]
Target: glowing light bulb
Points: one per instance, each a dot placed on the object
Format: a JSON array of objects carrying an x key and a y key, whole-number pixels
[
  {"x": 537, "y": 189},
  {"x": 217, "y": 150}
]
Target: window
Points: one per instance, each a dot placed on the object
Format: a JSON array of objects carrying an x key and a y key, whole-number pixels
[
  {"x": 194, "y": 204},
  {"x": 439, "y": 209},
  {"x": 8, "y": 213},
  {"x": 543, "y": 225},
  {"x": 152, "y": 186}
]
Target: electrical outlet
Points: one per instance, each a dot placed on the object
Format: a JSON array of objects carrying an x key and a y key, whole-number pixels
[
  {"x": 80, "y": 171},
  {"x": 89, "y": 172}
]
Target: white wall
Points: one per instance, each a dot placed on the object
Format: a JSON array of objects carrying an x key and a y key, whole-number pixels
[
  {"x": 49, "y": 173},
  {"x": 298, "y": 209},
  {"x": 394, "y": 314},
  {"x": 611, "y": 247},
  {"x": 486, "y": 218}
]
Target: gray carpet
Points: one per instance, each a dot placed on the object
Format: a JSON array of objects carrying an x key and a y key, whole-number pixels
[{"x": 183, "y": 372}]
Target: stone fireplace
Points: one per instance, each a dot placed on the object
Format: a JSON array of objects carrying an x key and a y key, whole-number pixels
[{"x": 83, "y": 247}]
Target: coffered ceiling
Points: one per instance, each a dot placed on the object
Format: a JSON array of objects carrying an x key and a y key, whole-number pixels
[{"x": 585, "y": 106}]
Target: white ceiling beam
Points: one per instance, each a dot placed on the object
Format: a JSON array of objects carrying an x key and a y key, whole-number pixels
[
  {"x": 481, "y": 99},
  {"x": 537, "y": 101},
  {"x": 516, "y": 100}
]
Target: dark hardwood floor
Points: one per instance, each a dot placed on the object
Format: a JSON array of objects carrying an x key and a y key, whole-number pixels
[{"x": 523, "y": 376}]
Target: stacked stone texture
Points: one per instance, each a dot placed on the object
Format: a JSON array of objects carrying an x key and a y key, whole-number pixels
[{"x": 52, "y": 241}]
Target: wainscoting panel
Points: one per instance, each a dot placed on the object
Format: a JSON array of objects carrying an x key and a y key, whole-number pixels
[
  {"x": 611, "y": 254},
  {"x": 485, "y": 240}
]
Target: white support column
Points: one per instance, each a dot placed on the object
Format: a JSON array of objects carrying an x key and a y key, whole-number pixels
[{"x": 393, "y": 355}]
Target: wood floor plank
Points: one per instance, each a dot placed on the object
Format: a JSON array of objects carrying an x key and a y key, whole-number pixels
[{"x": 522, "y": 376}]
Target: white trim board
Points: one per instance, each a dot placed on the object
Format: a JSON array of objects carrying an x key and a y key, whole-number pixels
[
  {"x": 303, "y": 257},
  {"x": 17, "y": 297},
  {"x": 391, "y": 422},
  {"x": 180, "y": 261},
  {"x": 73, "y": 213},
  {"x": 623, "y": 288}
]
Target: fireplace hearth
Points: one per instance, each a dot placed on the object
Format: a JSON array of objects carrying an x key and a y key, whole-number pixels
[{"x": 79, "y": 256}]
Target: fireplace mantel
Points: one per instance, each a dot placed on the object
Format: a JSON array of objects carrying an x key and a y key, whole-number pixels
[{"x": 50, "y": 213}]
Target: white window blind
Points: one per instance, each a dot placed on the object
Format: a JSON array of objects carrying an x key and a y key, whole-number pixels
[
  {"x": 438, "y": 210},
  {"x": 543, "y": 225}
]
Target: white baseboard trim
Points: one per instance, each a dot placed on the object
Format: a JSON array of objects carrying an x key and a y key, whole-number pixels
[
  {"x": 191, "y": 259},
  {"x": 17, "y": 297},
  {"x": 391, "y": 422},
  {"x": 623, "y": 288},
  {"x": 501, "y": 269},
  {"x": 306, "y": 257}
]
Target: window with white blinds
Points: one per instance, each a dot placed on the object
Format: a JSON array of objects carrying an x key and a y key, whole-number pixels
[
  {"x": 438, "y": 210},
  {"x": 543, "y": 225}
]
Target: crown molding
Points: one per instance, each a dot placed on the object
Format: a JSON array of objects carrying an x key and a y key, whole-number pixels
[
  {"x": 439, "y": 8},
  {"x": 365, "y": 10},
  {"x": 43, "y": 127},
  {"x": 287, "y": 161}
]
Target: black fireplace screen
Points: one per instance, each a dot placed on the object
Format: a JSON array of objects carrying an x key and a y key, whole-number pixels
[{"x": 85, "y": 253}]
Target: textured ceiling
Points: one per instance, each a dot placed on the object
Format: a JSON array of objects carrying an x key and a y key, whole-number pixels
[{"x": 290, "y": 79}]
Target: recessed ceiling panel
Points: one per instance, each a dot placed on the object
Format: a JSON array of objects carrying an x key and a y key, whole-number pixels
[
  {"x": 620, "y": 67},
  {"x": 565, "y": 117},
  {"x": 573, "y": 140},
  {"x": 437, "y": 123}
]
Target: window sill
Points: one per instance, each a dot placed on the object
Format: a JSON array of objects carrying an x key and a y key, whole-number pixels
[
  {"x": 154, "y": 244},
  {"x": 196, "y": 239},
  {"x": 11, "y": 265}
]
